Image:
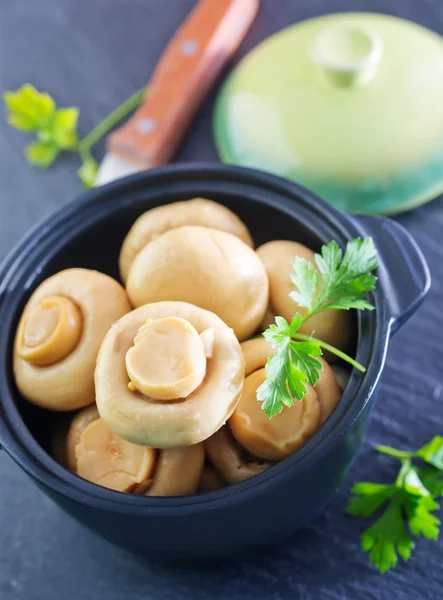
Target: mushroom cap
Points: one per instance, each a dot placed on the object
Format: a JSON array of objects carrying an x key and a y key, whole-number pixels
[
  {"x": 198, "y": 211},
  {"x": 167, "y": 360},
  {"x": 80, "y": 421},
  {"x": 168, "y": 424},
  {"x": 276, "y": 438},
  {"x": 69, "y": 383},
  {"x": 178, "y": 471},
  {"x": 206, "y": 267},
  {"x": 224, "y": 455},
  {"x": 106, "y": 459},
  {"x": 331, "y": 326}
]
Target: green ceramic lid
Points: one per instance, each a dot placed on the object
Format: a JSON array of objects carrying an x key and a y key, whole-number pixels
[{"x": 349, "y": 105}]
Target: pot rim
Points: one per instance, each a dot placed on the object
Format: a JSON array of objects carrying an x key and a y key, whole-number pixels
[{"x": 54, "y": 232}]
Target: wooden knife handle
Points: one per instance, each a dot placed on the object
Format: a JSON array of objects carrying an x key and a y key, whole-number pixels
[{"x": 189, "y": 66}]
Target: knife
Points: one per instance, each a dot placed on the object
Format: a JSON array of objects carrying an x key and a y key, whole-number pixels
[{"x": 186, "y": 71}]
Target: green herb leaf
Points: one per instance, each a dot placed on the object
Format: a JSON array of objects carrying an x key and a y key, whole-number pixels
[
  {"x": 306, "y": 279},
  {"x": 343, "y": 284},
  {"x": 64, "y": 127},
  {"x": 28, "y": 109},
  {"x": 432, "y": 480},
  {"x": 387, "y": 538},
  {"x": 368, "y": 497},
  {"x": 346, "y": 303},
  {"x": 288, "y": 370},
  {"x": 346, "y": 281},
  {"x": 283, "y": 382},
  {"x": 420, "y": 518},
  {"x": 411, "y": 481},
  {"x": 281, "y": 330},
  {"x": 432, "y": 453},
  {"x": 87, "y": 173},
  {"x": 41, "y": 154},
  {"x": 303, "y": 355},
  {"x": 411, "y": 501}
]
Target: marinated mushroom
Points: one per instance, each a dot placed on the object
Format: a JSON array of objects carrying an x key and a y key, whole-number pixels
[
  {"x": 198, "y": 211},
  {"x": 230, "y": 461},
  {"x": 59, "y": 335},
  {"x": 277, "y": 438},
  {"x": 104, "y": 458},
  {"x": 183, "y": 380},
  {"x": 178, "y": 471},
  {"x": 79, "y": 423},
  {"x": 211, "y": 269},
  {"x": 327, "y": 388},
  {"x": 332, "y": 326}
]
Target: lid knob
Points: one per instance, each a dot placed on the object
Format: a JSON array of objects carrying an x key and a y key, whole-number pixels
[{"x": 348, "y": 55}]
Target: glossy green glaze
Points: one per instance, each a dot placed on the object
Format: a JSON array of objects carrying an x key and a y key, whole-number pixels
[{"x": 349, "y": 105}]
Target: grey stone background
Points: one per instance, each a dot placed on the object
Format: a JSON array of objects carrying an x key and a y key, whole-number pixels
[{"x": 93, "y": 54}]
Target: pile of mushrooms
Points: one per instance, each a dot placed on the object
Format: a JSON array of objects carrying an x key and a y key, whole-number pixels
[{"x": 162, "y": 374}]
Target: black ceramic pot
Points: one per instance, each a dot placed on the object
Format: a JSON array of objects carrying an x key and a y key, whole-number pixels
[{"x": 88, "y": 233}]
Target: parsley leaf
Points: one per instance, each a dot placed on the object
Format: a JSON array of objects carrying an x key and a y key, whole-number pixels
[
  {"x": 64, "y": 127},
  {"x": 288, "y": 370},
  {"x": 367, "y": 499},
  {"x": 409, "y": 506},
  {"x": 41, "y": 154},
  {"x": 283, "y": 382},
  {"x": 432, "y": 453},
  {"x": 421, "y": 521},
  {"x": 339, "y": 282},
  {"x": 387, "y": 538},
  {"x": 345, "y": 279},
  {"x": 303, "y": 356},
  {"x": 306, "y": 280},
  {"x": 281, "y": 330},
  {"x": 432, "y": 480},
  {"x": 28, "y": 109},
  {"x": 55, "y": 128}
]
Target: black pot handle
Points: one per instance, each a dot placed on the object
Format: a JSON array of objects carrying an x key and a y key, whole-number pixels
[{"x": 403, "y": 271}]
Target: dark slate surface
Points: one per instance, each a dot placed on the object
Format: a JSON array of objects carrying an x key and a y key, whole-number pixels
[{"x": 94, "y": 53}]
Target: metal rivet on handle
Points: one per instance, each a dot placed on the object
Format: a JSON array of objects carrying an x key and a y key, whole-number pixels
[
  {"x": 146, "y": 126},
  {"x": 189, "y": 47}
]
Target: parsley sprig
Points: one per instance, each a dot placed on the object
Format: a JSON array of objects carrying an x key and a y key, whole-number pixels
[
  {"x": 56, "y": 129},
  {"x": 340, "y": 281},
  {"x": 409, "y": 503}
]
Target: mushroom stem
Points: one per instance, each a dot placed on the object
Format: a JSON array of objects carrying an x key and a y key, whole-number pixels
[
  {"x": 51, "y": 331},
  {"x": 167, "y": 360}
]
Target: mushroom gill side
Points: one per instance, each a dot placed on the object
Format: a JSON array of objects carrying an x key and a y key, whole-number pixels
[
  {"x": 276, "y": 438},
  {"x": 59, "y": 336},
  {"x": 169, "y": 374},
  {"x": 104, "y": 458}
]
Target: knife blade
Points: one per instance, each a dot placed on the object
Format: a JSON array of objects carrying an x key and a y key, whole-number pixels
[{"x": 186, "y": 71}]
